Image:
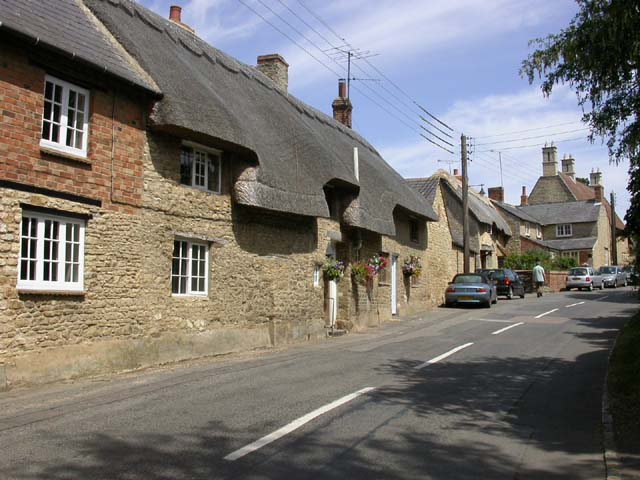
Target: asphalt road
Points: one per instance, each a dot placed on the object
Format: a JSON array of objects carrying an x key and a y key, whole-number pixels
[{"x": 511, "y": 392}]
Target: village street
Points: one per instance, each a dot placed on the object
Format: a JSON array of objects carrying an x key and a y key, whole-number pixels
[{"x": 455, "y": 395}]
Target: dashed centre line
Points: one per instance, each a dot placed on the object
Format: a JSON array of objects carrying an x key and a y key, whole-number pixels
[
  {"x": 573, "y": 304},
  {"x": 290, "y": 427},
  {"x": 546, "y": 313},
  {"x": 498, "y": 332},
  {"x": 443, "y": 356}
]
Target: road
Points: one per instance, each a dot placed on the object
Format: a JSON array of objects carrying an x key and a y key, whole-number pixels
[{"x": 511, "y": 392}]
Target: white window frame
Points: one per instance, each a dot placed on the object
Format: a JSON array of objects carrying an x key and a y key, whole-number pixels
[
  {"x": 527, "y": 229},
  {"x": 538, "y": 231},
  {"x": 61, "y": 145},
  {"x": 59, "y": 284},
  {"x": 564, "y": 230},
  {"x": 189, "y": 273},
  {"x": 212, "y": 154},
  {"x": 571, "y": 254},
  {"x": 317, "y": 274}
]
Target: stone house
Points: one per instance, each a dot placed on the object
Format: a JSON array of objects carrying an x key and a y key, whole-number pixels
[
  {"x": 160, "y": 201},
  {"x": 488, "y": 230},
  {"x": 575, "y": 219}
]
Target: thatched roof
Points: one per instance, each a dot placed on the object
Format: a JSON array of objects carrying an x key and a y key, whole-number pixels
[{"x": 298, "y": 149}]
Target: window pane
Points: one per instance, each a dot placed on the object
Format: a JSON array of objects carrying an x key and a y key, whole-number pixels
[
  {"x": 58, "y": 94},
  {"x": 28, "y": 243},
  {"x": 48, "y": 90},
  {"x": 179, "y": 267},
  {"x": 186, "y": 164},
  {"x": 81, "y": 99},
  {"x": 199, "y": 169},
  {"x": 214, "y": 173}
]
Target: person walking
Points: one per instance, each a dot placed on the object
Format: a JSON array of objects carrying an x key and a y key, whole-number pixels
[{"x": 538, "y": 277}]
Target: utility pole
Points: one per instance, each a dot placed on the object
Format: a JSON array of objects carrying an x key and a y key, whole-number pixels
[
  {"x": 465, "y": 204},
  {"x": 614, "y": 243}
]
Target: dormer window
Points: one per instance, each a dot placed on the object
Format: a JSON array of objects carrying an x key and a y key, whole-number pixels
[
  {"x": 65, "y": 119},
  {"x": 201, "y": 168},
  {"x": 333, "y": 202}
]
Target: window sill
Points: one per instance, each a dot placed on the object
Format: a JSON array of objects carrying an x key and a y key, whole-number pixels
[
  {"x": 66, "y": 293},
  {"x": 190, "y": 296},
  {"x": 52, "y": 152}
]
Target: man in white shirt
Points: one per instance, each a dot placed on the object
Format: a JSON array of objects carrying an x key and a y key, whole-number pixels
[{"x": 538, "y": 277}]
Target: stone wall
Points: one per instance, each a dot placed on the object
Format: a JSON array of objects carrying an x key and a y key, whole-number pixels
[
  {"x": 602, "y": 249},
  {"x": 550, "y": 190}
]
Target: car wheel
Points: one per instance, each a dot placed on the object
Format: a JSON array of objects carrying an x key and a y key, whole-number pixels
[
  {"x": 615, "y": 284},
  {"x": 601, "y": 285},
  {"x": 510, "y": 293}
]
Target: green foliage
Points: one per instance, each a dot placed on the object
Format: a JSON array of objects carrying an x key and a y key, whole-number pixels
[
  {"x": 583, "y": 180},
  {"x": 527, "y": 261},
  {"x": 598, "y": 55},
  {"x": 359, "y": 272}
]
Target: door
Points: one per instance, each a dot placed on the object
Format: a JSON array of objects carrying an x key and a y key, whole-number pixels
[
  {"x": 394, "y": 285},
  {"x": 333, "y": 302}
]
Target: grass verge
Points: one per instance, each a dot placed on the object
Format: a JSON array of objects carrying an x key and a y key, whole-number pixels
[{"x": 624, "y": 387}]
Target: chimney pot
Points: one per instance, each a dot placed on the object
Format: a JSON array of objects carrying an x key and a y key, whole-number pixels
[
  {"x": 455, "y": 172},
  {"x": 342, "y": 108},
  {"x": 342, "y": 88},
  {"x": 524, "y": 199},
  {"x": 175, "y": 13},
  {"x": 496, "y": 193}
]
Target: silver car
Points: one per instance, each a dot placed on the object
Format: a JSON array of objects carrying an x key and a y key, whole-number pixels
[
  {"x": 473, "y": 288},
  {"x": 613, "y": 276},
  {"x": 584, "y": 278}
]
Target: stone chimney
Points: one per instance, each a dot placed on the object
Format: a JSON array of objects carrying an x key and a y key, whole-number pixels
[
  {"x": 524, "y": 199},
  {"x": 456, "y": 173},
  {"x": 175, "y": 15},
  {"x": 549, "y": 161},
  {"x": 342, "y": 107},
  {"x": 595, "y": 177},
  {"x": 598, "y": 191},
  {"x": 276, "y": 68},
  {"x": 568, "y": 167},
  {"x": 496, "y": 193}
]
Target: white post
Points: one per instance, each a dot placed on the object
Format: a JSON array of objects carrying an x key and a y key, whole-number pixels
[{"x": 356, "y": 167}]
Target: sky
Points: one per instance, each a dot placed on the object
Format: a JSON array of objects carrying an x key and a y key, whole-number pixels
[{"x": 458, "y": 59}]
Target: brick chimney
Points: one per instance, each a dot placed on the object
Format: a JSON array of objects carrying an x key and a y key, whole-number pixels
[
  {"x": 276, "y": 68},
  {"x": 549, "y": 161},
  {"x": 175, "y": 15},
  {"x": 598, "y": 191},
  {"x": 456, "y": 173},
  {"x": 496, "y": 193},
  {"x": 524, "y": 199},
  {"x": 568, "y": 166},
  {"x": 342, "y": 107}
]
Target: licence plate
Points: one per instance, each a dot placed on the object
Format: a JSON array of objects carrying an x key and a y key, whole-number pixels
[
  {"x": 465, "y": 298},
  {"x": 576, "y": 278}
]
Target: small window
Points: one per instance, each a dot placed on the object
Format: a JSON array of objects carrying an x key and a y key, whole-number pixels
[
  {"x": 564, "y": 230},
  {"x": 527, "y": 229},
  {"x": 538, "y": 231},
  {"x": 317, "y": 275},
  {"x": 189, "y": 268},
  {"x": 201, "y": 168},
  {"x": 51, "y": 253},
  {"x": 65, "y": 119},
  {"x": 414, "y": 230},
  {"x": 571, "y": 254}
]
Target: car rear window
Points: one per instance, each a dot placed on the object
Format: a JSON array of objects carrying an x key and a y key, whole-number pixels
[
  {"x": 578, "y": 271},
  {"x": 607, "y": 270},
  {"x": 468, "y": 279},
  {"x": 497, "y": 275}
]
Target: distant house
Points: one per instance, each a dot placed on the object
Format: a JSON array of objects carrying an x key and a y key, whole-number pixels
[
  {"x": 488, "y": 230},
  {"x": 571, "y": 218},
  {"x": 163, "y": 201}
]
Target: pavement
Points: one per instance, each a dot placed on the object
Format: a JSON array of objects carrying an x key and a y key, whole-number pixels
[{"x": 513, "y": 392}]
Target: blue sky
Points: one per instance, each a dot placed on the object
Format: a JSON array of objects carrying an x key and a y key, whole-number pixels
[{"x": 458, "y": 58}]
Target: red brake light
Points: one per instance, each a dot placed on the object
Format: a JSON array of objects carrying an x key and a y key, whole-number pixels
[
  {"x": 451, "y": 289},
  {"x": 588, "y": 279},
  {"x": 481, "y": 290},
  {"x": 507, "y": 281}
]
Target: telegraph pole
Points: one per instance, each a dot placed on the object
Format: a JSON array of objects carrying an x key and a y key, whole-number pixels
[
  {"x": 614, "y": 242},
  {"x": 465, "y": 204}
]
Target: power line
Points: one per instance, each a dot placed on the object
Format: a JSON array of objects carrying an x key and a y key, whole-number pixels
[
  {"x": 528, "y": 130},
  {"x": 537, "y": 144},
  {"x": 534, "y": 137}
]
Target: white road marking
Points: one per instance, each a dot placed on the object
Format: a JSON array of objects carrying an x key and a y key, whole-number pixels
[
  {"x": 443, "y": 356},
  {"x": 498, "y": 332},
  {"x": 546, "y": 313},
  {"x": 601, "y": 298},
  {"x": 573, "y": 304},
  {"x": 490, "y": 320},
  {"x": 290, "y": 427}
]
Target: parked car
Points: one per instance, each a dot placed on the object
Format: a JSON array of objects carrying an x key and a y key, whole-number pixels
[
  {"x": 613, "y": 276},
  {"x": 474, "y": 288},
  {"x": 584, "y": 278},
  {"x": 507, "y": 282}
]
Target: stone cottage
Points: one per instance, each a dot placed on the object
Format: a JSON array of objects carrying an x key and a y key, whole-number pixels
[{"x": 162, "y": 201}]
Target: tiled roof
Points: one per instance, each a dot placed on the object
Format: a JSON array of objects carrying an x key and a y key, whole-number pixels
[
  {"x": 567, "y": 212},
  {"x": 571, "y": 243},
  {"x": 426, "y": 186},
  {"x": 515, "y": 211},
  {"x": 67, "y": 26},
  {"x": 583, "y": 192}
]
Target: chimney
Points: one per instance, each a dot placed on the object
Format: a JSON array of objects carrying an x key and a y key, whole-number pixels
[
  {"x": 342, "y": 107},
  {"x": 568, "y": 167},
  {"x": 549, "y": 161},
  {"x": 598, "y": 190},
  {"x": 595, "y": 178},
  {"x": 456, "y": 173},
  {"x": 496, "y": 193},
  {"x": 175, "y": 15},
  {"x": 524, "y": 199},
  {"x": 276, "y": 68}
]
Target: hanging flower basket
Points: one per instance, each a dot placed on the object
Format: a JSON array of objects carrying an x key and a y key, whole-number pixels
[
  {"x": 412, "y": 267},
  {"x": 359, "y": 273},
  {"x": 376, "y": 264},
  {"x": 333, "y": 269}
]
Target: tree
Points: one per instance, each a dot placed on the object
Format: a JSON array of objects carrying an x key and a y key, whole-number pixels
[
  {"x": 583, "y": 180},
  {"x": 598, "y": 55}
]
